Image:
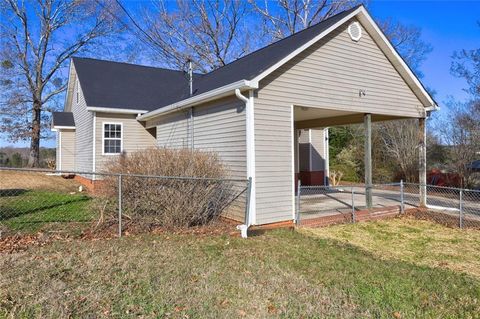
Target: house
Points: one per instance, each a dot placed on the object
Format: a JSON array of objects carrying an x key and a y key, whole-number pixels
[{"x": 265, "y": 114}]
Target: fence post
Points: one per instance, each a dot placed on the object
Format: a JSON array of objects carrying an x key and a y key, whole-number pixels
[
  {"x": 297, "y": 219},
  {"x": 247, "y": 201},
  {"x": 461, "y": 209},
  {"x": 402, "y": 202},
  {"x": 120, "y": 205},
  {"x": 353, "y": 205}
]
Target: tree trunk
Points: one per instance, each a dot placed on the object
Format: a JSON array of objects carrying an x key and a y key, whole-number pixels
[{"x": 34, "y": 158}]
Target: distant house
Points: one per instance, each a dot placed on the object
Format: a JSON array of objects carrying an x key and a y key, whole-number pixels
[{"x": 265, "y": 114}]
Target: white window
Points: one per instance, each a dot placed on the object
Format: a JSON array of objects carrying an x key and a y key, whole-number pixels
[{"x": 112, "y": 138}]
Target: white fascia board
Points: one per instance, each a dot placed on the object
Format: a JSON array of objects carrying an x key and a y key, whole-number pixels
[
  {"x": 201, "y": 98},
  {"x": 114, "y": 110},
  {"x": 274, "y": 67},
  {"x": 71, "y": 73},
  {"x": 59, "y": 127},
  {"x": 392, "y": 54},
  {"x": 383, "y": 43}
]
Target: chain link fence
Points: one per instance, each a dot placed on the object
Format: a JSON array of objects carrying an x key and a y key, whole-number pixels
[
  {"x": 325, "y": 205},
  {"x": 75, "y": 203}
]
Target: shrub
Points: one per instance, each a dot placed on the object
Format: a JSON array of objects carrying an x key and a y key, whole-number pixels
[{"x": 169, "y": 201}]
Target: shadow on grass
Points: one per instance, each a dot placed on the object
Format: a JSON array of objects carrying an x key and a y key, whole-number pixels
[
  {"x": 20, "y": 208},
  {"x": 12, "y": 192}
]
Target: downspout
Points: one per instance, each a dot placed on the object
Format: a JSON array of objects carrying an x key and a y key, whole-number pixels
[{"x": 250, "y": 140}]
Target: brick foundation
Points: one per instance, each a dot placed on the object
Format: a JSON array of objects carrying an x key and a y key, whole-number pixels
[
  {"x": 442, "y": 218},
  {"x": 91, "y": 185},
  {"x": 345, "y": 218}
]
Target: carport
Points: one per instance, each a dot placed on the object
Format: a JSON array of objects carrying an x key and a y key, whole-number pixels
[{"x": 314, "y": 120}]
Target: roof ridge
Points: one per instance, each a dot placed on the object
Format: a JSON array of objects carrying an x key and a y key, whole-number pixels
[
  {"x": 285, "y": 38},
  {"x": 127, "y": 63}
]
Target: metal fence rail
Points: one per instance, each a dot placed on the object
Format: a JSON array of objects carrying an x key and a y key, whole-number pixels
[
  {"x": 40, "y": 200},
  {"x": 454, "y": 207}
]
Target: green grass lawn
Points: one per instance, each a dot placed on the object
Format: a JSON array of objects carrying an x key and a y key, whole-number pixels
[
  {"x": 33, "y": 210},
  {"x": 284, "y": 274}
]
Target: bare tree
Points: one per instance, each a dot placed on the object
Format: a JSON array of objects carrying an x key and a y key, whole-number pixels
[
  {"x": 38, "y": 38},
  {"x": 400, "y": 144},
  {"x": 286, "y": 17},
  {"x": 209, "y": 33},
  {"x": 407, "y": 40}
]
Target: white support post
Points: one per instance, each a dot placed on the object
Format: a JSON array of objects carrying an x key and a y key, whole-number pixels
[
  {"x": 368, "y": 159},
  {"x": 422, "y": 163}
]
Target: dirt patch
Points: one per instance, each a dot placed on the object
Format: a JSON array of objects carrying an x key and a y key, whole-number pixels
[
  {"x": 33, "y": 180},
  {"x": 108, "y": 230}
]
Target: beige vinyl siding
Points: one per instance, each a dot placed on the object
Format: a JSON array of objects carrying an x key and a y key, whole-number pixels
[
  {"x": 134, "y": 136},
  {"x": 67, "y": 151},
  {"x": 83, "y": 131},
  {"x": 218, "y": 127},
  {"x": 273, "y": 156},
  {"x": 331, "y": 72},
  {"x": 173, "y": 130},
  {"x": 318, "y": 149}
]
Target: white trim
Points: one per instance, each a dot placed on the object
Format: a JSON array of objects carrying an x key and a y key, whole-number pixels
[
  {"x": 367, "y": 21},
  {"x": 94, "y": 143},
  {"x": 310, "y": 164},
  {"x": 59, "y": 136},
  {"x": 395, "y": 58},
  {"x": 201, "y": 98},
  {"x": 352, "y": 36},
  {"x": 114, "y": 110},
  {"x": 59, "y": 127},
  {"x": 326, "y": 151},
  {"x": 292, "y": 127},
  {"x": 274, "y": 67},
  {"x": 250, "y": 144},
  {"x": 250, "y": 122},
  {"x": 112, "y": 138}
]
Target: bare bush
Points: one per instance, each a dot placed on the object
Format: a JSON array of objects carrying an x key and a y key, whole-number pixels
[{"x": 192, "y": 191}]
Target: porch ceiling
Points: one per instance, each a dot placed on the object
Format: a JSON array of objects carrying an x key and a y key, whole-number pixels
[{"x": 309, "y": 117}]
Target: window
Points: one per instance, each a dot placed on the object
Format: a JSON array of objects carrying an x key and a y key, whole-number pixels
[{"x": 112, "y": 138}]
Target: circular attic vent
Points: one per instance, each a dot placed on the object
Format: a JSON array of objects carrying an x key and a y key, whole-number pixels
[{"x": 355, "y": 31}]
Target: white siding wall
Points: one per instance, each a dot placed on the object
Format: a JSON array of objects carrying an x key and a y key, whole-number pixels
[
  {"x": 330, "y": 73},
  {"x": 173, "y": 130},
  {"x": 135, "y": 136},
  {"x": 327, "y": 75},
  {"x": 318, "y": 149},
  {"x": 273, "y": 156},
  {"x": 218, "y": 127},
  {"x": 84, "y": 132}
]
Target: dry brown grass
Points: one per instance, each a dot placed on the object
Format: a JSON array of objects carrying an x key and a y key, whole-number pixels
[
  {"x": 36, "y": 181},
  {"x": 280, "y": 274},
  {"x": 420, "y": 242}
]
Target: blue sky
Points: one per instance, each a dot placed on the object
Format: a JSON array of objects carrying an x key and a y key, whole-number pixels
[{"x": 447, "y": 25}]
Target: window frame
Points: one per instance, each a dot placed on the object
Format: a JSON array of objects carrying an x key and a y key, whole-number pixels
[{"x": 112, "y": 138}]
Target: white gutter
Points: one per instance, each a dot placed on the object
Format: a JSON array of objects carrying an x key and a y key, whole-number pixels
[
  {"x": 250, "y": 141},
  {"x": 59, "y": 127},
  {"x": 201, "y": 98},
  {"x": 114, "y": 110}
]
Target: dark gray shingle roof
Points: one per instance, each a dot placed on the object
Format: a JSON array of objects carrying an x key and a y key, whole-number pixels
[
  {"x": 128, "y": 86},
  {"x": 62, "y": 119}
]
